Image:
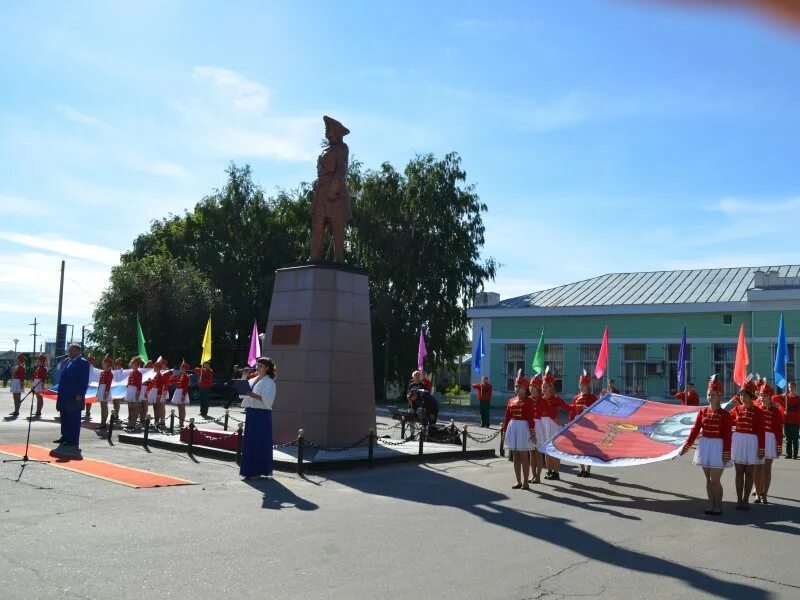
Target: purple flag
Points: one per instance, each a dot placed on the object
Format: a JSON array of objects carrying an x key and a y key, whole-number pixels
[
  {"x": 422, "y": 352},
  {"x": 255, "y": 346},
  {"x": 682, "y": 362}
]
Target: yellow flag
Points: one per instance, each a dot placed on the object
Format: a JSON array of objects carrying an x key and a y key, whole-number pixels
[{"x": 207, "y": 342}]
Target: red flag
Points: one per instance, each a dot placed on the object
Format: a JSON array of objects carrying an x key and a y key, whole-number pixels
[
  {"x": 602, "y": 358},
  {"x": 742, "y": 360}
]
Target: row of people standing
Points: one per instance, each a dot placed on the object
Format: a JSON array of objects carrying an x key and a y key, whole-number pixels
[
  {"x": 749, "y": 438},
  {"x": 532, "y": 418}
]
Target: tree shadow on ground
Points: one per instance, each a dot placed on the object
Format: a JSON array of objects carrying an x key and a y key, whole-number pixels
[
  {"x": 277, "y": 496},
  {"x": 425, "y": 486}
]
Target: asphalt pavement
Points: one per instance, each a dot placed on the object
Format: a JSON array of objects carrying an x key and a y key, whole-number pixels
[{"x": 441, "y": 530}]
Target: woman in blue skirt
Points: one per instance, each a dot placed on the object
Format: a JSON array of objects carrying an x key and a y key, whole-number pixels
[{"x": 257, "y": 444}]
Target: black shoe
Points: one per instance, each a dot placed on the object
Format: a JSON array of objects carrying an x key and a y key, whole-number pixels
[
  {"x": 556, "y": 476},
  {"x": 59, "y": 441}
]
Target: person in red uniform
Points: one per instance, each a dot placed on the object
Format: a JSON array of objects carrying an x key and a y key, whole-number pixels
[
  {"x": 520, "y": 432},
  {"x": 18, "y": 383},
  {"x": 773, "y": 442},
  {"x": 39, "y": 381},
  {"x": 204, "y": 385},
  {"x": 88, "y": 405},
  {"x": 551, "y": 422},
  {"x": 484, "y": 391},
  {"x": 104, "y": 390},
  {"x": 713, "y": 452},
  {"x": 689, "y": 397},
  {"x": 426, "y": 383},
  {"x": 539, "y": 408},
  {"x": 580, "y": 403},
  {"x": 160, "y": 409},
  {"x": 611, "y": 388},
  {"x": 747, "y": 446},
  {"x": 181, "y": 394},
  {"x": 152, "y": 391},
  {"x": 791, "y": 420},
  {"x": 133, "y": 392}
]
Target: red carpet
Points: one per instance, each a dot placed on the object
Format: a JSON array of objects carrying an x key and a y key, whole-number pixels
[{"x": 101, "y": 469}]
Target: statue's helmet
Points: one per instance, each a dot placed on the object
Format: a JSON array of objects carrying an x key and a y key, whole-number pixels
[{"x": 335, "y": 127}]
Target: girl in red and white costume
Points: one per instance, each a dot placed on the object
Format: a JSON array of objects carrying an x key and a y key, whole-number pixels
[
  {"x": 747, "y": 446},
  {"x": 181, "y": 394},
  {"x": 133, "y": 391},
  {"x": 539, "y": 408},
  {"x": 551, "y": 423},
  {"x": 714, "y": 449},
  {"x": 152, "y": 391},
  {"x": 160, "y": 409},
  {"x": 18, "y": 383},
  {"x": 104, "y": 390},
  {"x": 580, "y": 403},
  {"x": 39, "y": 381},
  {"x": 773, "y": 442},
  {"x": 520, "y": 433}
]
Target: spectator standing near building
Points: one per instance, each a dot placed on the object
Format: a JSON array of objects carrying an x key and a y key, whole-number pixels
[{"x": 484, "y": 391}]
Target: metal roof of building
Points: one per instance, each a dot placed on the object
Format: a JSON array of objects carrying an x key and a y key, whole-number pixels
[{"x": 694, "y": 286}]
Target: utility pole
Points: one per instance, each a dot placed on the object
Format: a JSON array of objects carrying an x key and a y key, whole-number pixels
[
  {"x": 34, "y": 324},
  {"x": 60, "y": 304}
]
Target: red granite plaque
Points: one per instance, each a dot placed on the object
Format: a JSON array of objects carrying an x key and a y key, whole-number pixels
[{"x": 285, "y": 335}]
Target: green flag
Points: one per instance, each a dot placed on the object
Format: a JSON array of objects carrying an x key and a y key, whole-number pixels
[
  {"x": 140, "y": 339},
  {"x": 538, "y": 359}
]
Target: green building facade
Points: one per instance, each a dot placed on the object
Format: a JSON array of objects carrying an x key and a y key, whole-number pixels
[{"x": 645, "y": 314}]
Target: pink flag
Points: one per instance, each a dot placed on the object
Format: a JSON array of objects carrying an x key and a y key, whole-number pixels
[
  {"x": 602, "y": 358},
  {"x": 421, "y": 352},
  {"x": 255, "y": 346}
]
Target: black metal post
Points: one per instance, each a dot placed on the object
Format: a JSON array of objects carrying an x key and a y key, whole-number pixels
[
  {"x": 502, "y": 440},
  {"x": 111, "y": 424},
  {"x": 191, "y": 436},
  {"x": 421, "y": 442},
  {"x": 300, "y": 447},
  {"x": 172, "y": 421},
  {"x": 239, "y": 441},
  {"x": 464, "y": 440},
  {"x": 146, "y": 429},
  {"x": 225, "y": 425},
  {"x": 402, "y": 427},
  {"x": 371, "y": 446}
]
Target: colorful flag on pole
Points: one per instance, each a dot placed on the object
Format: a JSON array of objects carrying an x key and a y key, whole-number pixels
[
  {"x": 206, "y": 343},
  {"x": 619, "y": 431},
  {"x": 537, "y": 365},
  {"x": 255, "y": 345},
  {"x": 742, "y": 360},
  {"x": 421, "y": 351},
  {"x": 602, "y": 357},
  {"x": 480, "y": 352},
  {"x": 781, "y": 357},
  {"x": 140, "y": 340},
  {"x": 682, "y": 362}
]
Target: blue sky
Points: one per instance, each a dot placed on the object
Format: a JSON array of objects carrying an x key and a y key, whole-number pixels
[{"x": 620, "y": 135}]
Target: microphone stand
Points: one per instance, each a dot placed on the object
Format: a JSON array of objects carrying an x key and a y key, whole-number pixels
[{"x": 25, "y": 458}]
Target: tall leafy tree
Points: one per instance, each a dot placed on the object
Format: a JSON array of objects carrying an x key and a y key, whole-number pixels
[{"x": 419, "y": 235}]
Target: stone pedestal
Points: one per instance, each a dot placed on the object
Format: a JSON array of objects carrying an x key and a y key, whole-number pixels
[{"x": 320, "y": 338}]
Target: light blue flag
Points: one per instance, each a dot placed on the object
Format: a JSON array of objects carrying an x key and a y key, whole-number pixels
[
  {"x": 781, "y": 356},
  {"x": 480, "y": 352}
]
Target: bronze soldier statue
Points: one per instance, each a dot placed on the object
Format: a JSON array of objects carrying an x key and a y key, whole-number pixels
[{"x": 330, "y": 204}]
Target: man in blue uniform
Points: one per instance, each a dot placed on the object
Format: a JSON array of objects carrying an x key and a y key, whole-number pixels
[{"x": 71, "y": 393}]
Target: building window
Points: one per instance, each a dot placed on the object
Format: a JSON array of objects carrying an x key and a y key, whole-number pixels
[
  {"x": 724, "y": 360},
  {"x": 727, "y": 319},
  {"x": 514, "y": 360},
  {"x": 634, "y": 370},
  {"x": 673, "y": 351},
  {"x": 587, "y": 361},
  {"x": 554, "y": 357},
  {"x": 789, "y": 361}
]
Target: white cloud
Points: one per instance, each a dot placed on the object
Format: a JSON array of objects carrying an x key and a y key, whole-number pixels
[
  {"x": 64, "y": 247},
  {"x": 157, "y": 167},
  {"x": 752, "y": 208},
  {"x": 83, "y": 119},
  {"x": 19, "y": 205},
  {"x": 246, "y": 94}
]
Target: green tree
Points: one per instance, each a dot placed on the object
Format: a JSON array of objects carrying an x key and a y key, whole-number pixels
[{"x": 419, "y": 236}]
